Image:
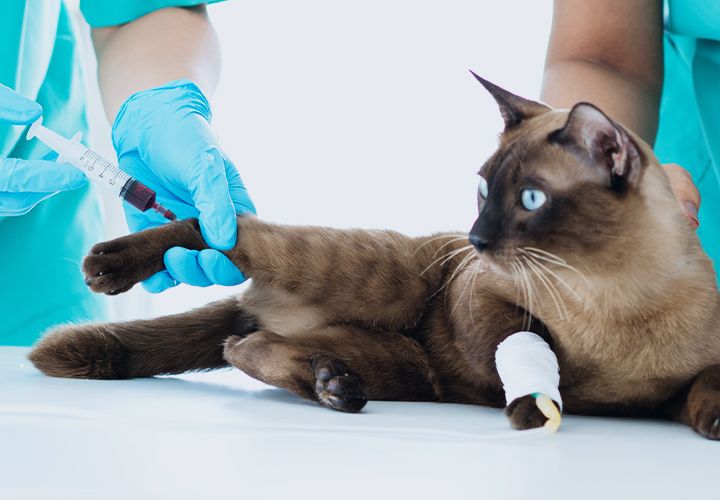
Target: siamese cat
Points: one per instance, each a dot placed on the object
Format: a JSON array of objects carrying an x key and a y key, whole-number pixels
[{"x": 579, "y": 239}]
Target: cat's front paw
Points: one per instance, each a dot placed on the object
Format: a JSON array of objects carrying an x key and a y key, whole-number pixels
[
  {"x": 115, "y": 266},
  {"x": 524, "y": 413},
  {"x": 337, "y": 386}
]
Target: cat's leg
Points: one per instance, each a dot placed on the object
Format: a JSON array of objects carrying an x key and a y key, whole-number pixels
[
  {"x": 699, "y": 405},
  {"x": 482, "y": 321},
  {"x": 166, "y": 345},
  {"x": 367, "y": 277},
  {"x": 528, "y": 369},
  {"x": 338, "y": 367},
  {"x": 115, "y": 266}
]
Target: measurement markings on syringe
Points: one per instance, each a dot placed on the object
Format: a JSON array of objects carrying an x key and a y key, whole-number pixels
[{"x": 107, "y": 167}]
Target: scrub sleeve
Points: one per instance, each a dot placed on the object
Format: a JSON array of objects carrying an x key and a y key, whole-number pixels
[{"x": 689, "y": 132}]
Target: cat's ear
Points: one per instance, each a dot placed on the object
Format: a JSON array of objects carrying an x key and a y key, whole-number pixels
[
  {"x": 593, "y": 136},
  {"x": 514, "y": 109}
]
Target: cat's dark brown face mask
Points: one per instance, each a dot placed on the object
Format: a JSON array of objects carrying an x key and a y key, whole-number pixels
[{"x": 562, "y": 182}]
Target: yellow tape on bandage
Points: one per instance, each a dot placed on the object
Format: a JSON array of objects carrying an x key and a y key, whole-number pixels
[{"x": 551, "y": 412}]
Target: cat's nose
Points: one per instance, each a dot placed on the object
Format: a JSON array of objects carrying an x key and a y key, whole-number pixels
[{"x": 478, "y": 242}]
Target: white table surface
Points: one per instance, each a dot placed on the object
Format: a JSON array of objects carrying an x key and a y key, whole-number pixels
[{"x": 224, "y": 435}]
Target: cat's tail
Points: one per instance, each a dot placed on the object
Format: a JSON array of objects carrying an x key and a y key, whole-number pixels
[{"x": 143, "y": 348}]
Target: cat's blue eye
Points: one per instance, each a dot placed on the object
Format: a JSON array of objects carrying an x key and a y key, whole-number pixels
[
  {"x": 483, "y": 188},
  {"x": 532, "y": 199}
]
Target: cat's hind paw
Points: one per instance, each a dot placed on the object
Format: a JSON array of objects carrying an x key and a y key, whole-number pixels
[{"x": 337, "y": 386}]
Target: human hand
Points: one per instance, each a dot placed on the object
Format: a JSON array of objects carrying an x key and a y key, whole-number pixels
[
  {"x": 25, "y": 183},
  {"x": 685, "y": 191},
  {"x": 163, "y": 138}
]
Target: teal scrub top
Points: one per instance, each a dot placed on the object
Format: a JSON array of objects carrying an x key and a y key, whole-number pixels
[
  {"x": 689, "y": 132},
  {"x": 41, "y": 284}
]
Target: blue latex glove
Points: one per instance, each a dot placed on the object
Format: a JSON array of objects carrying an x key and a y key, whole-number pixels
[
  {"x": 163, "y": 138},
  {"x": 25, "y": 183}
]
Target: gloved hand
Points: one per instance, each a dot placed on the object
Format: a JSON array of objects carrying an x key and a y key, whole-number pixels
[
  {"x": 25, "y": 183},
  {"x": 163, "y": 138}
]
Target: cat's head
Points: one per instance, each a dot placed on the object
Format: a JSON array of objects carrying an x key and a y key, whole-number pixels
[{"x": 572, "y": 186}]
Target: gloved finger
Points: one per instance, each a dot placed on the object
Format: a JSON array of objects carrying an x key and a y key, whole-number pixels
[
  {"x": 12, "y": 204},
  {"x": 238, "y": 193},
  {"x": 182, "y": 264},
  {"x": 16, "y": 108},
  {"x": 219, "y": 269},
  {"x": 208, "y": 187},
  {"x": 137, "y": 220},
  {"x": 38, "y": 176},
  {"x": 159, "y": 282}
]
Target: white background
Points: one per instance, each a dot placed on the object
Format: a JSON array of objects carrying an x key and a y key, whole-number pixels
[{"x": 358, "y": 114}]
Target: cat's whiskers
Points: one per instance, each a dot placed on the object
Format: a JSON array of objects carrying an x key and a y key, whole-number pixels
[
  {"x": 557, "y": 277},
  {"x": 516, "y": 280},
  {"x": 549, "y": 286},
  {"x": 455, "y": 237},
  {"x": 554, "y": 259},
  {"x": 559, "y": 295},
  {"x": 459, "y": 238},
  {"x": 527, "y": 293},
  {"x": 447, "y": 257},
  {"x": 473, "y": 291},
  {"x": 464, "y": 288},
  {"x": 562, "y": 282},
  {"x": 531, "y": 295},
  {"x": 549, "y": 255},
  {"x": 463, "y": 264}
]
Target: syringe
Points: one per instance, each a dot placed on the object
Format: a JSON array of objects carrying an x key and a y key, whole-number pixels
[{"x": 98, "y": 168}]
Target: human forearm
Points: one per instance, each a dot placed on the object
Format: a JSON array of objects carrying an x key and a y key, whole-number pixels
[
  {"x": 626, "y": 98},
  {"x": 609, "y": 53},
  {"x": 167, "y": 44}
]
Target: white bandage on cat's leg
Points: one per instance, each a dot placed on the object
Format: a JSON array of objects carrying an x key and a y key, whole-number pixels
[{"x": 527, "y": 366}]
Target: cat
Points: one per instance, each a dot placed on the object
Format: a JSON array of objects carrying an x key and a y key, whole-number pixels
[{"x": 579, "y": 239}]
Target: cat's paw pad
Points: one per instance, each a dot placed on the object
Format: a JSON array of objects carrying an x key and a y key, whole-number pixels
[
  {"x": 337, "y": 386},
  {"x": 110, "y": 267},
  {"x": 524, "y": 413}
]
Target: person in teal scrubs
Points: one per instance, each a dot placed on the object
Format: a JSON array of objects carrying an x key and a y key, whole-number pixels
[
  {"x": 157, "y": 61},
  {"x": 655, "y": 67},
  {"x": 689, "y": 129}
]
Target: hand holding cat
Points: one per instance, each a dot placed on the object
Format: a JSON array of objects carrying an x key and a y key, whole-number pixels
[
  {"x": 685, "y": 191},
  {"x": 163, "y": 138}
]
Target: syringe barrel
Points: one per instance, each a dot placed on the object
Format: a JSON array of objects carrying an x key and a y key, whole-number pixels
[
  {"x": 138, "y": 195},
  {"x": 73, "y": 152},
  {"x": 100, "y": 169}
]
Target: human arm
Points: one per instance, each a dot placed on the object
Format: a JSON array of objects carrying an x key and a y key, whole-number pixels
[
  {"x": 167, "y": 44},
  {"x": 163, "y": 137},
  {"x": 609, "y": 52}
]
